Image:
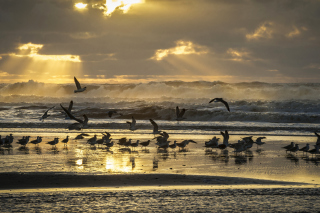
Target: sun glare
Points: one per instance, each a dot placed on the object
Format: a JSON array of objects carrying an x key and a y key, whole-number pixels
[
  {"x": 80, "y": 5},
  {"x": 111, "y": 5}
]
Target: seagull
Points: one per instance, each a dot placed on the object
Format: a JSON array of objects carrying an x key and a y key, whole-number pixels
[
  {"x": 145, "y": 143},
  {"x": 111, "y": 112},
  {"x": 109, "y": 145},
  {"x": 136, "y": 144},
  {"x": 213, "y": 143},
  {"x": 132, "y": 124},
  {"x": 222, "y": 101},
  {"x": 174, "y": 145},
  {"x": 305, "y": 149},
  {"x": 122, "y": 141},
  {"x": 155, "y": 127},
  {"x": 294, "y": 149},
  {"x": 184, "y": 143},
  {"x": 54, "y": 142},
  {"x": 259, "y": 142},
  {"x": 65, "y": 141},
  {"x": 318, "y": 136},
  {"x": 225, "y": 144},
  {"x": 23, "y": 141},
  {"x": 288, "y": 147},
  {"x": 162, "y": 139},
  {"x": 45, "y": 115},
  {"x": 81, "y": 136},
  {"x": 92, "y": 141},
  {"x": 36, "y": 141},
  {"x": 180, "y": 114},
  {"x": 79, "y": 89},
  {"x": 76, "y": 126}
]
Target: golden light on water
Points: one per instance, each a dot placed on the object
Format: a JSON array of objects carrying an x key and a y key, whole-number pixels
[{"x": 118, "y": 165}]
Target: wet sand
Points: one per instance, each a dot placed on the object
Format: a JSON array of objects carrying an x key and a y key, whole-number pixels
[{"x": 56, "y": 180}]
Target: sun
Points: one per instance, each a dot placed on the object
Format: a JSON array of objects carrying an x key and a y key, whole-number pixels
[{"x": 80, "y": 5}]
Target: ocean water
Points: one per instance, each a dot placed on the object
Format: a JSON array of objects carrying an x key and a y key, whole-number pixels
[{"x": 277, "y": 109}]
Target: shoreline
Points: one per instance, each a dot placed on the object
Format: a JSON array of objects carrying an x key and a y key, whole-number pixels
[{"x": 39, "y": 180}]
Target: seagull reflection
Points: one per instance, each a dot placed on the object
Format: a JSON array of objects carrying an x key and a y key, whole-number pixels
[
  {"x": 133, "y": 162},
  {"x": 24, "y": 149},
  {"x": 292, "y": 158},
  {"x": 155, "y": 164},
  {"x": 55, "y": 150},
  {"x": 145, "y": 150},
  {"x": 163, "y": 153},
  {"x": 240, "y": 159},
  {"x": 38, "y": 150}
]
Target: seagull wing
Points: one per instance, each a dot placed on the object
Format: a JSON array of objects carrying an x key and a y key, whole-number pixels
[
  {"x": 133, "y": 121},
  {"x": 48, "y": 110},
  {"x": 110, "y": 114},
  {"x": 212, "y": 100},
  {"x": 226, "y": 104},
  {"x": 177, "y": 111},
  {"x": 182, "y": 113},
  {"x": 70, "y": 106},
  {"x": 85, "y": 119},
  {"x": 70, "y": 115},
  {"x": 155, "y": 125},
  {"x": 317, "y": 134},
  {"x": 77, "y": 83}
]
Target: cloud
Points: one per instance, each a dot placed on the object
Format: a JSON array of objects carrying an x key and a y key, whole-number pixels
[
  {"x": 181, "y": 48},
  {"x": 264, "y": 31},
  {"x": 239, "y": 55},
  {"x": 83, "y": 35},
  {"x": 31, "y": 50}
]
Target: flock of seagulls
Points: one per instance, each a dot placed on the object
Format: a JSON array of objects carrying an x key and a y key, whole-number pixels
[{"x": 294, "y": 148}]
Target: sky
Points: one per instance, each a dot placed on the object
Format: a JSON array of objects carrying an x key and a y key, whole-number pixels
[{"x": 114, "y": 41}]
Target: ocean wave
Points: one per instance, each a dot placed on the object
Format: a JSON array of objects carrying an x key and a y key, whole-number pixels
[{"x": 160, "y": 91}]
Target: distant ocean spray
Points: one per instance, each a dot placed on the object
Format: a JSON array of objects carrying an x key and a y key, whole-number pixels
[{"x": 251, "y": 102}]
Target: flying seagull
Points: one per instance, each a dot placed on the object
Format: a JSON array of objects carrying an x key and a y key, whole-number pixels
[
  {"x": 155, "y": 127},
  {"x": 222, "y": 101},
  {"x": 76, "y": 126},
  {"x": 79, "y": 88},
  {"x": 45, "y": 115},
  {"x": 111, "y": 112},
  {"x": 132, "y": 124},
  {"x": 180, "y": 114}
]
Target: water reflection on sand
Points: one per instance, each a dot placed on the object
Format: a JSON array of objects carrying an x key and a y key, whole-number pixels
[{"x": 266, "y": 162}]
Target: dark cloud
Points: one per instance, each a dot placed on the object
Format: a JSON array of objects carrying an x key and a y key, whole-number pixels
[{"x": 123, "y": 44}]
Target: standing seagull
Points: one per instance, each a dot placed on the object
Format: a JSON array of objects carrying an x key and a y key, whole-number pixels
[
  {"x": 45, "y": 115},
  {"x": 180, "y": 114},
  {"x": 79, "y": 89},
  {"x": 76, "y": 126},
  {"x": 222, "y": 101},
  {"x": 155, "y": 127},
  {"x": 132, "y": 124}
]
